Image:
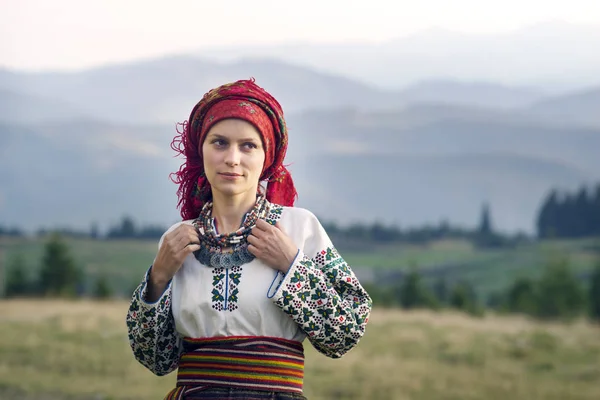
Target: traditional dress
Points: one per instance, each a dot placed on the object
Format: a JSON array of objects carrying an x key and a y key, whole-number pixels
[{"x": 233, "y": 326}]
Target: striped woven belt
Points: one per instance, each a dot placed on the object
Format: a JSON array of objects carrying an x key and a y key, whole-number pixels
[{"x": 256, "y": 363}]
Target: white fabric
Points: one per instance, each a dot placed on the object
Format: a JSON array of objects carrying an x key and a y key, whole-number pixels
[{"x": 256, "y": 313}]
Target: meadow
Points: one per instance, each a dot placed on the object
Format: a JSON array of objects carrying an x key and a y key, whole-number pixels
[
  {"x": 123, "y": 262},
  {"x": 78, "y": 350}
]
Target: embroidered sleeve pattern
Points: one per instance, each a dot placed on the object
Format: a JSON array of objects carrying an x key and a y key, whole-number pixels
[
  {"x": 325, "y": 298},
  {"x": 152, "y": 335}
]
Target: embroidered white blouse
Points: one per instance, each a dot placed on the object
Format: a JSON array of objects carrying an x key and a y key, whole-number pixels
[{"x": 319, "y": 298}]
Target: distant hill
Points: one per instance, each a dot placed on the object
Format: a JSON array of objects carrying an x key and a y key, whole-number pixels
[
  {"x": 469, "y": 93},
  {"x": 74, "y": 174},
  {"x": 553, "y": 55},
  {"x": 94, "y": 145},
  {"x": 581, "y": 108},
  {"x": 83, "y": 171},
  {"x": 442, "y": 130},
  {"x": 18, "y": 107},
  {"x": 165, "y": 90},
  {"x": 411, "y": 190}
]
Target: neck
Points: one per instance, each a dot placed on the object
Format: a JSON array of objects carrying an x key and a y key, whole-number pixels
[{"x": 229, "y": 211}]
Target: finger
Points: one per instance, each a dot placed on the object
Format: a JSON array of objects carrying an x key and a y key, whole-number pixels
[
  {"x": 185, "y": 240},
  {"x": 193, "y": 237},
  {"x": 190, "y": 248},
  {"x": 257, "y": 232},
  {"x": 171, "y": 243},
  {"x": 263, "y": 225},
  {"x": 183, "y": 228},
  {"x": 182, "y": 231},
  {"x": 188, "y": 229},
  {"x": 172, "y": 235},
  {"x": 181, "y": 242},
  {"x": 253, "y": 240},
  {"x": 253, "y": 250}
]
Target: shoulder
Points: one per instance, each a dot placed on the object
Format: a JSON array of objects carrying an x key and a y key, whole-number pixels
[
  {"x": 177, "y": 224},
  {"x": 301, "y": 219},
  {"x": 304, "y": 228},
  {"x": 299, "y": 212},
  {"x": 297, "y": 215},
  {"x": 173, "y": 227}
]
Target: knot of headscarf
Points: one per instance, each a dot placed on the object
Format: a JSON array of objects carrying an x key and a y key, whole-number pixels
[{"x": 244, "y": 100}]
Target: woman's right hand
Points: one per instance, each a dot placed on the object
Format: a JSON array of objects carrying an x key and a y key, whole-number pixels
[{"x": 176, "y": 246}]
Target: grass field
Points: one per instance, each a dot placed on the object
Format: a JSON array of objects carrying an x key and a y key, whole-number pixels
[
  {"x": 124, "y": 262},
  {"x": 59, "y": 350}
]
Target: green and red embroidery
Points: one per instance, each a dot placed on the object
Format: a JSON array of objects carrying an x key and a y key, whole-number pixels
[
  {"x": 151, "y": 330},
  {"x": 321, "y": 294},
  {"x": 225, "y": 282},
  {"x": 274, "y": 213},
  {"x": 324, "y": 297},
  {"x": 225, "y": 288}
]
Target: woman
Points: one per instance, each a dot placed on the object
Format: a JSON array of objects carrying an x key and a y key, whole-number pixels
[{"x": 229, "y": 305}]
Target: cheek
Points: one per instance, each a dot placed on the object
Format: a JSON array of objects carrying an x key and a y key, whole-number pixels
[
  {"x": 207, "y": 158},
  {"x": 260, "y": 163}
]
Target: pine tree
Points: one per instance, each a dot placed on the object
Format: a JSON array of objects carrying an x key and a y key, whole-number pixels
[
  {"x": 17, "y": 279},
  {"x": 522, "y": 297},
  {"x": 102, "y": 289},
  {"x": 547, "y": 221},
  {"x": 463, "y": 297},
  {"x": 559, "y": 293},
  {"x": 595, "y": 212},
  {"x": 594, "y": 293},
  {"x": 485, "y": 223},
  {"x": 440, "y": 290},
  {"x": 485, "y": 236},
  {"x": 413, "y": 294},
  {"x": 459, "y": 297},
  {"x": 94, "y": 231},
  {"x": 581, "y": 214},
  {"x": 128, "y": 228},
  {"x": 59, "y": 275}
]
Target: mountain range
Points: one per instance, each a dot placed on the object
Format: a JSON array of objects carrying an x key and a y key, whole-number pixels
[
  {"x": 93, "y": 145},
  {"x": 555, "y": 55}
]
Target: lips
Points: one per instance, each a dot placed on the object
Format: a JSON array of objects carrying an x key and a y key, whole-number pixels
[{"x": 229, "y": 174}]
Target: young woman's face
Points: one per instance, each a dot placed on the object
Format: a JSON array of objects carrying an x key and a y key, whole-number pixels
[{"x": 233, "y": 157}]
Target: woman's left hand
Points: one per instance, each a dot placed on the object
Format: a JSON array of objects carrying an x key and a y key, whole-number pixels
[{"x": 271, "y": 245}]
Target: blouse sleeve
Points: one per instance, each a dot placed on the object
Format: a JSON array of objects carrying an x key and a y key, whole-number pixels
[
  {"x": 322, "y": 294},
  {"x": 151, "y": 329}
]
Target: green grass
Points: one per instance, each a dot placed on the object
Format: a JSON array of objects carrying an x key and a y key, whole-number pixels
[
  {"x": 58, "y": 350},
  {"x": 488, "y": 270},
  {"x": 124, "y": 262}
]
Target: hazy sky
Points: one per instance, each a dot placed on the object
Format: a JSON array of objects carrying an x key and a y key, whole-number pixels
[{"x": 39, "y": 34}]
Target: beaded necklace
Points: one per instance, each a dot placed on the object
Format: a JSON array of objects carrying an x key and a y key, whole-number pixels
[{"x": 230, "y": 250}]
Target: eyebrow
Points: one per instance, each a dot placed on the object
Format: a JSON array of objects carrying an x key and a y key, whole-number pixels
[{"x": 218, "y": 136}]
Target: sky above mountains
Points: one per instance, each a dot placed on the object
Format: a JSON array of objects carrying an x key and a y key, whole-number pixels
[{"x": 70, "y": 34}]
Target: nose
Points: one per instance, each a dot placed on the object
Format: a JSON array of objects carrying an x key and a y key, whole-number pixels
[{"x": 232, "y": 156}]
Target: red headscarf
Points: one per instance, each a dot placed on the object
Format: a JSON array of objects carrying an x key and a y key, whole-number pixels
[{"x": 243, "y": 100}]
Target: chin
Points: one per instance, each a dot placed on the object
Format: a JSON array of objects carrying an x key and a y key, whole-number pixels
[{"x": 232, "y": 190}]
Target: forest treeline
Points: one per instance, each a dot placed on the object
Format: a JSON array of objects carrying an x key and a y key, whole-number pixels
[
  {"x": 561, "y": 215},
  {"x": 556, "y": 294}
]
